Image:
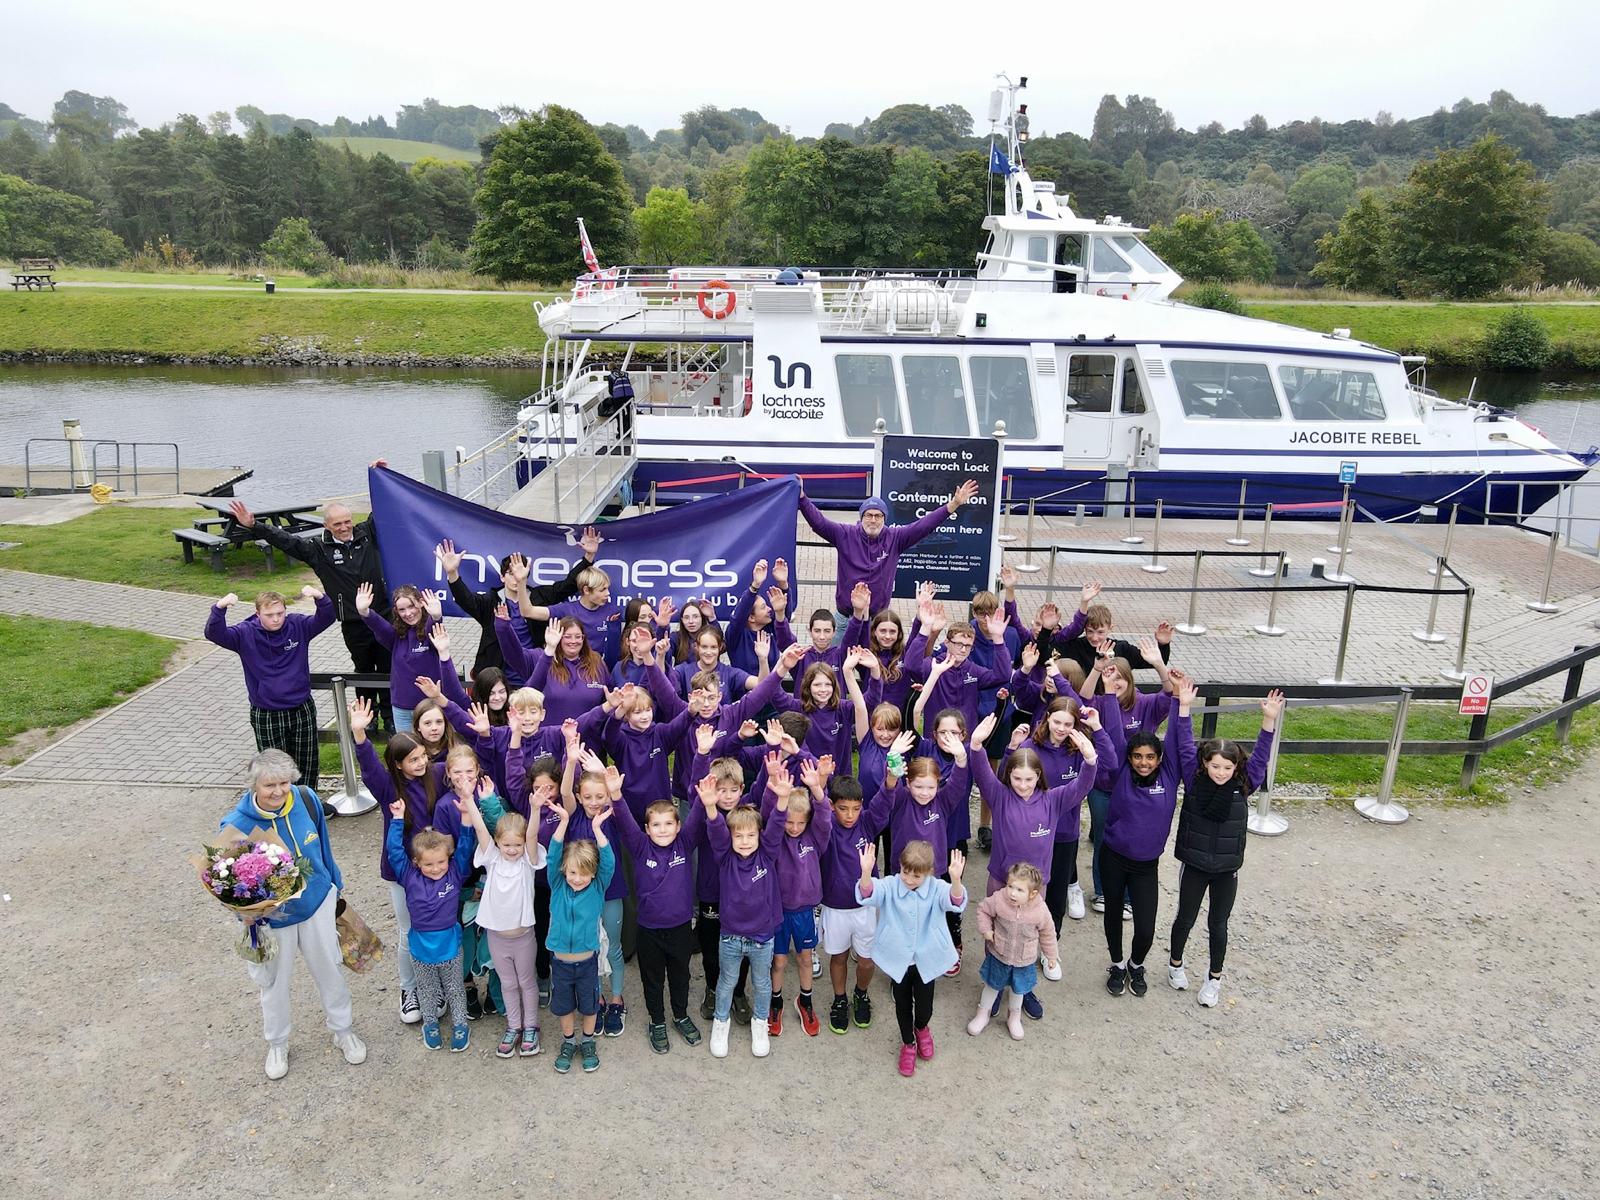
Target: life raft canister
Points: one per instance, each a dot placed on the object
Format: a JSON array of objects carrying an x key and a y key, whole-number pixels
[{"x": 711, "y": 288}]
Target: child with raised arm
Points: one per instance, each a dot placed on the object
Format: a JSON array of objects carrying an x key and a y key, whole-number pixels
[
  {"x": 754, "y": 615},
  {"x": 586, "y": 797},
  {"x": 751, "y": 908},
  {"x": 926, "y": 807},
  {"x": 708, "y": 649},
  {"x": 405, "y": 636},
  {"x": 727, "y": 785},
  {"x": 594, "y": 609},
  {"x": 806, "y": 829},
  {"x": 579, "y": 873},
  {"x": 838, "y": 721},
  {"x": 846, "y": 925},
  {"x": 431, "y": 875},
  {"x": 663, "y": 881},
  {"x": 912, "y": 943},
  {"x": 1017, "y": 933}
]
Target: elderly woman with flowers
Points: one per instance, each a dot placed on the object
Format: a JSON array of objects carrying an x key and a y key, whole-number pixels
[{"x": 306, "y": 923}]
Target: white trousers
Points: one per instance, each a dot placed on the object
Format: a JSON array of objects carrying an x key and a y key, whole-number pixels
[
  {"x": 316, "y": 939},
  {"x": 402, "y": 944}
]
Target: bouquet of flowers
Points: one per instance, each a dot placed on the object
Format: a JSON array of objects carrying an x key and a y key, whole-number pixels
[{"x": 254, "y": 875}]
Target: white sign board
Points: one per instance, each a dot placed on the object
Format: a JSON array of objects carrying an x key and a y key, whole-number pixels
[{"x": 1476, "y": 689}]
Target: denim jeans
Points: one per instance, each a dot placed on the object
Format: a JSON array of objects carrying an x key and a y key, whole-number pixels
[
  {"x": 731, "y": 948},
  {"x": 403, "y": 718},
  {"x": 1099, "y": 802}
]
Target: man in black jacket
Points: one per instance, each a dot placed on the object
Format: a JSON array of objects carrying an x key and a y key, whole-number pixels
[{"x": 344, "y": 557}]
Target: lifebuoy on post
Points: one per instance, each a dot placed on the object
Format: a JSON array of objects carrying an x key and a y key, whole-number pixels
[{"x": 715, "y": 288}]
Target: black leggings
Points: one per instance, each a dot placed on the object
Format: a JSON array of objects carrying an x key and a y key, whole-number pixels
[
  {"x": 913, "y": 1004},
  {"x": 663, "y": 955},
  {"x": 1192, "y": 887},
  {"x": 541, "y": 914},
  {"x": 1063, "y": 874},
  {"x": 952, "y": 920},
  {"x": 1142, "y": 883},
  {"x": 708, "y": 932}
]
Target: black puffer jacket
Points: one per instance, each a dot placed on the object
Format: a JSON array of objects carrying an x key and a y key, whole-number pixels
[{"x": 1212, "y": 825}]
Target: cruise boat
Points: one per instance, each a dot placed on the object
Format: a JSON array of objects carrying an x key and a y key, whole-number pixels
[{"x": 1063, "y": 334}]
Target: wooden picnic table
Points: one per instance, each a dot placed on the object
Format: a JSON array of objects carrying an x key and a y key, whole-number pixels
[
  {"x": 296, "y": 518},
  {"x": 35, "y": 279}
]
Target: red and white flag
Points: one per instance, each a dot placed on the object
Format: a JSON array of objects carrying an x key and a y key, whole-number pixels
[{"x": 589, "y": 259}]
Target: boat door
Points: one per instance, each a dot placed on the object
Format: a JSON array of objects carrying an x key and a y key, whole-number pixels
[{"x": 1090, "y": 383}]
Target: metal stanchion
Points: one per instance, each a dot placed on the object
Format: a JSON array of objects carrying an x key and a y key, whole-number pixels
[
  {"x": 653, "y": 506},
  {"x": 1272, "y": 628},
  {"x": 1344, "y": 635},
  {"x": 1337, "y": 575},
  {"x": 1263, "y": 570},
  {"x": 1007, "y": 537},
  {"x": 1428, "y": 635},
  {"x": 354, "y": 799},
  {"x": 1344, "y": 512},
  {"x": 741, "y": 480},
  {"x": 1543, "y": 605},
  {"x": 1155, "y": 566},
  {"x": 1050, "y": 579},
  {"x": 1027, "y": 565},
  {"x": 1460, "y": 671},
  {"x": 1262, "y": 821},
  {"x": 1192, "y": 626},
  {"x": 1078, "y": 515},
  {"x": 1449, "y": 537},
  {"x": 1238, "y": 538},
  {"x": 1382, "y": 808},
  {"x": 1133, "y": 538}
]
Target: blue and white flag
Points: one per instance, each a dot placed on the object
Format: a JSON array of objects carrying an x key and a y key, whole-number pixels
[{"x": 999, "y": 164}]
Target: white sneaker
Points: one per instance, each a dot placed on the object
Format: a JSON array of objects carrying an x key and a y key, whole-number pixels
[
  {"x": 352, "y": 1047},
  {"x": 760, "y": 1043},
  {"x": 1210, "y": 992},
  {"x": 410, "y": 1011},
  {"x": 1051, "y": 973},
  {"x": 277, "y": 1062},
  {"x": 816, "y": 963},
  {"x": 719, "y": 1039},
  {"x": 1075, "y": 908},
  {"x": 1178, "y": 977}
]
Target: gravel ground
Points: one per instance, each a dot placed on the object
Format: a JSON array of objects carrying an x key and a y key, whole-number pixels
[{"x": 1406, "y": 1013}]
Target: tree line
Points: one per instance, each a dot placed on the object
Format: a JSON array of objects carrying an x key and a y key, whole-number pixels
[{"x": 1351, "y": 203}]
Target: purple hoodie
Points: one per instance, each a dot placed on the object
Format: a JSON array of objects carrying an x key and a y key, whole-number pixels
[
  {"x": 643, "y": 758},
  {"x": 800, "y": 858},
  {"x": 410, "y": 657},
  {"x": 735, "y": 683},
  {"x": 663, "y": 876},
  {"x": 960, "y": 687},
  {"x": 603, "y": 625},
  {"x": 1025, "y": 830},
  {"x": 491, "y": 748},
  {"x": 561, "y": 700},
  {"x": 742, "y": 639},
  {"x": 1148, "y": 711},
  {"x": 868, "y": 560},
  {"x": 1139, "y": 817},
  {"x": 277, "y": 665},
  {"x": 727, "y": 719},
  {"x": 433, "y": 904},
  {"x": 446, "y": 816},
  {"x": 1062, "y": 766},
  {"x": 750, "y": 903},
  {"x": 933, "y": 822},
  {"x": 833, "y": 730}
]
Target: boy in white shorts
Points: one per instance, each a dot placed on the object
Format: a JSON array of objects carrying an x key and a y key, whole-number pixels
[{"x": 847, "y": 925}]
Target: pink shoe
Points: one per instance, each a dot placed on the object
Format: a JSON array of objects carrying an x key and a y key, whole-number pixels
[
  {"x": 925, "y": 1043},
  {"x": 908, "y": 1061}
]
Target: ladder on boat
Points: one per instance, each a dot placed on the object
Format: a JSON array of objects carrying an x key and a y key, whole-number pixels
[{"x": 583, "y": 467}]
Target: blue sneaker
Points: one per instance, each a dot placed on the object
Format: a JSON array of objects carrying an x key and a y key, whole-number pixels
[
  {"x": 1031, "y": 1006},
  {"x": 615, "y": 1015},
  {"x": 458, "y": 1039},
  {"x": 564, "y": 1055},
  {"x": 591, "y": 1056},
  {"x": 430, "y": 1035}
]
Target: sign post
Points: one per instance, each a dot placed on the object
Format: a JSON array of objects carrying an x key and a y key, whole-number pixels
[
  {"x": 917, "y": 474},
  {"x": 1476, "y": 691},
  {"x": 1347, "y": 472}
]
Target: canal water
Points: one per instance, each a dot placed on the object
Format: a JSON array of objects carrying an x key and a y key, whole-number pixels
[{"x": 309, "y": 433}]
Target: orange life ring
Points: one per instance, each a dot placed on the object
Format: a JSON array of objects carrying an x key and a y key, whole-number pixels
[{"x": 703, "y": 299}]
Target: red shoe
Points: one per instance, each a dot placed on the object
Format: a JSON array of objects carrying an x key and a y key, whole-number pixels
[
  {"x": 908, "y": 1061},
  {"x": 955, "y": 970},
  {"x": 808, "y": 1019},
  {"x": 775, "y": 1022},
  {"x": 924, "y": 1043}
]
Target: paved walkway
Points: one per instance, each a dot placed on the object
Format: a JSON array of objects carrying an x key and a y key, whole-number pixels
[{"x": 191, "y": 728}]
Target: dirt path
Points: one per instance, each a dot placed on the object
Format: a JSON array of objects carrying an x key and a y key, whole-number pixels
[{"x": 1408, "y": 1012}]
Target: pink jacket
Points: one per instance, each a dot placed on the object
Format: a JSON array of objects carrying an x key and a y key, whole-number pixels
[{"x": 1019, "y": 933}]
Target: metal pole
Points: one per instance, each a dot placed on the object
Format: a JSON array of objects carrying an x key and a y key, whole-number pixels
[
  {"x": 1449, "y": 537},
  {"x": 1238, "y": 538},
  {"x": 1460, "y": 671},
  {"x": 1272, "y": 628},
  {"x": 354, "y": 799},
  {"x": 1338, "y": 575},
  {"x": 1027, "y": 564},
  {"x": 653, "y": 507},
  {"x": 1154, "y": 566},
  {"x": 1133, "y": 538},
  {"x": 1543, "y": 605},
  {"x": 1007, "y": 537},
  {"x": 1344, "y": 635},
  {"x": 1382, "y": 808},
  {"x": 1262, "y": 820},
  {"x": 1263, "y": 570},
  {"x": 741, "y": 480},
  {"x": 1344, "y": 513},
  {"x": 1050, "y": 581},
  {"x": 1077, "y": 516},
  {"x": 1428, "y": 635},
  {"x": 1192, "y": 626}
]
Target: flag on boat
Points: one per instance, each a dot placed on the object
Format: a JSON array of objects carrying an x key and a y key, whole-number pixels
[
  {"x": 999, "y": 164},
  {"x": 589, "y": 259}
]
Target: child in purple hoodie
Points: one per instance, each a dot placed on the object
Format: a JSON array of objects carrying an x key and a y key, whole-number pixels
[
  {"x": 754, "y": 615},
  {"x": 806, "y": 829},
  {"x": 846, "y": 924}
]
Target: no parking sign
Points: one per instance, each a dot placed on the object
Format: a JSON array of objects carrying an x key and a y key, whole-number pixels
[{"x": 1475, "y": 692}]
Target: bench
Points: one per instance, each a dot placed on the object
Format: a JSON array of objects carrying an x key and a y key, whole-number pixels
[
  {"x": 35, "y": 274},
  {"x": 214, "y": 543}
]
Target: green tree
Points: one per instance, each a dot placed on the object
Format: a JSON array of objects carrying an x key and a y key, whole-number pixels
[
  {"x": 1327, "y": 188},
  {"x": 1569, "y": 258},
  {"x": 669, "y": 228},
  {"x": 1466, "y": 221},
  {"x": 40, "y": 221},
  {"x": 1357, "y": 255},
  {"x": 545, "y": 173},
  {"x": 294, "y": 246},
  {"x": 1202, "y": 246}
]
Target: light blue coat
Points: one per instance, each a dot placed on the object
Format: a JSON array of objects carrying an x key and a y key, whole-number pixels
[{"x": 911, "y": 926}]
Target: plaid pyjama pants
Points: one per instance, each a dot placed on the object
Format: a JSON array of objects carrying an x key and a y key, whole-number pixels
[{"x": 292, "y": 730}]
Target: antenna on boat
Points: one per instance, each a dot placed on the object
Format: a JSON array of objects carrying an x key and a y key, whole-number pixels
[{"x": 1011, "y": 118}]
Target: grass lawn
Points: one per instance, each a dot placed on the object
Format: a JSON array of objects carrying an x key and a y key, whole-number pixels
[
  {"x": 401, "y": 149},
  {"x": 1449, "y": 334},
  {"x": 135, "y": 546},
  {"x": 72, "y": 671},
  {"x": 170, "y": 321},
  {"x": 220, "y": 277}
]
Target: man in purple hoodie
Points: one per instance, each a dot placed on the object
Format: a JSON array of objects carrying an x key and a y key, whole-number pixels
[
  {"x": 274, "y": 647},
  {"x": 870, "y": 550}
]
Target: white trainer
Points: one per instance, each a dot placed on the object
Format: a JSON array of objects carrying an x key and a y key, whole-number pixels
[
  {"x": 1075, "y": 908},
  {"x": 1178, "y": 977},
  {"x": 1052, "y": 973},
  {"x": 352, "y": 1047},
  {"x": 277, "y": 1062},
  {"x": 760, "y": 1043},
  {"x": 719, "y": 1039},
  {"x": 1210, "y": 992},
  {"x": 816, "y": 963}
]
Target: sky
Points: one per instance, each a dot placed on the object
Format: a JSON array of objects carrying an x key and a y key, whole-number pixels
[{"x": 801, "y": 66}]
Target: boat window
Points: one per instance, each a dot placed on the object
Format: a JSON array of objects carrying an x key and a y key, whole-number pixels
[
  {"x": 1069, "y": 253},
  {"x": 1090, "y": 378},
  {"x": 1001, "y": 391},
  {"x": 1142, "y": 254},
  {"x": 1226, "y": 391},
  {"x": 1107, "y": 261},
  {"x": 1325, "y": 394},
  {"x": 934, "y": 395},
  {"x": 1132, "y": 393},
  {"x": 867, "y": 391}
]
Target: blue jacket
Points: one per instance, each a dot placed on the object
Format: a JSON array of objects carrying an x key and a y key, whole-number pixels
[
  {"x": 575, "y": 916},
  {"x": 911, "y": 926},
  {"x": 300, "y": 827}
]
